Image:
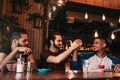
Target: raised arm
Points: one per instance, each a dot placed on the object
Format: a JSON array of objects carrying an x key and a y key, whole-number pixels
[{"x": 57, "y": 59}]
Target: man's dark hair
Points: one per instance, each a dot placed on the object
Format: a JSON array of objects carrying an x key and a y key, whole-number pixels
[
  {"x": 102, "y": 39},
  {"x": 51, "y": 36},
  {"x": 17, "y": 35}
]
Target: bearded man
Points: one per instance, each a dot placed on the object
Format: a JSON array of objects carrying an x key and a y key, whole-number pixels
[
  {"x": 19, "y": 43},
  {"x": 54, "y": 57}
]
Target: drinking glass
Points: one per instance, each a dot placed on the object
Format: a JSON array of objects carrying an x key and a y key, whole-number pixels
[{"x": 85, "y": 65}]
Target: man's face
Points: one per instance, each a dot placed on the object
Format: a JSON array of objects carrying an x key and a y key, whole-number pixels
[
  {"x": 57, "y": 43},
  {"x": 98, "y": 44},
  {"x": 23, "y": 41}
]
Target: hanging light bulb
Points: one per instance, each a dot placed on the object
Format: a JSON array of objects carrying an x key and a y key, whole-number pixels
[
  {"x": 96, "y": 34},
  {"x": 119, "y": 19},
  {"x": 49, "y": 14},
  {"x": 86, "y": 15},
  {"x": 112, "y": 36},
  {"x": 8, "y": 29},
  {"x": 60, "y": 2},
  {"x": 54, "y": 8},
  {"x": 103, "y": 17}
]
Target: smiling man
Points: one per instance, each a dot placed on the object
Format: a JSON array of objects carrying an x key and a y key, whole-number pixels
[{"x": 98, "y": 59}]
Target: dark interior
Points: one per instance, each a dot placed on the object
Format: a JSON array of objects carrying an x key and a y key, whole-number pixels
[{"x": 85, "y": 29}]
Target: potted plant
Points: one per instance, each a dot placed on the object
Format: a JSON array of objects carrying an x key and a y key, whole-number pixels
[
  {"x": 36, "y": 18},
  {"x": 6, "y": 23}
]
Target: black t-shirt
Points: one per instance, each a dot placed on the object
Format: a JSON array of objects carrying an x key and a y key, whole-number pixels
[
  {"x": 53, "y": 66},
  {"x": 7, "y": 50}
]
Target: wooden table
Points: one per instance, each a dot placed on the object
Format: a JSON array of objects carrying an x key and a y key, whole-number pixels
[{"x": 60, "y": 75}]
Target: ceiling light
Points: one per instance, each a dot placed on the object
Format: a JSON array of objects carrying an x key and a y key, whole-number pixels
[
  {"x": 103, "y": 17},
  {"x": 86, "y": 15},
  {"x": 96, "y": 34},
  {"x": 8, "y": 29},
  {"x": 112, "y": 36},
  {"x": 49, "y": 14},
  {"x": 54, "y": 8},
  {"x": 60, "y": 2}
]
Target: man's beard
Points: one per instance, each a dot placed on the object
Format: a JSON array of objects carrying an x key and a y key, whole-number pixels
[
  {"x": 56, "y": 46},
  {"x": 19, "y": 45}
]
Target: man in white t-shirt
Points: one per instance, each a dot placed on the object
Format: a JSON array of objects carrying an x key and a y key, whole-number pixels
[{"x": 99, "y": 59}]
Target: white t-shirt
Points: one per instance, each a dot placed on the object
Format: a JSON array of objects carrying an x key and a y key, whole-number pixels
[{"x": 95, "y": 61}]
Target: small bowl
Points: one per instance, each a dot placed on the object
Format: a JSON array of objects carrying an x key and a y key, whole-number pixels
[
  {"x": 43, "y": 71},
  {"x": 11, "y": 67}
]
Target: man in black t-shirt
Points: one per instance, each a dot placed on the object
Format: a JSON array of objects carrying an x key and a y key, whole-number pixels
[
  {"x": 54, "y": 56},
  {"x": 19, "y": 43}
]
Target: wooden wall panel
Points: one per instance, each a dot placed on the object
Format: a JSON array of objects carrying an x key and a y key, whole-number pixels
[
  {"x": 107, "y": 3},
  {"x": 114, "y": 4},
  {"x": 119, "y": 4},
  {"x": 83, "y": 1},
  {"x": 35, "y": 34},
  {"x": 92, "y": 2},
  {"x": 99, "y": 2}
]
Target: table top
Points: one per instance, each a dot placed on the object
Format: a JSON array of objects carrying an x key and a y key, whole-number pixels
[{"x": 59, "y": 75}]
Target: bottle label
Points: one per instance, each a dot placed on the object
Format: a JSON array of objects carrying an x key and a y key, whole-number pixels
[{"x": 20, "y": 68}]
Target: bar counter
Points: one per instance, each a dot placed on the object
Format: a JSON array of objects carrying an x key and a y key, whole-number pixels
[{"x": 60, "y": 75}]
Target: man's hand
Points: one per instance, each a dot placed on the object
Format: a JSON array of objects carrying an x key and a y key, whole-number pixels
[
  {"x": 26, "y": 50},
  {"x": 77, "y": 43}
]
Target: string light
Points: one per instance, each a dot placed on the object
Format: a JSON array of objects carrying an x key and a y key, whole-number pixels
[
  {"x": 103, "y": 17},
  {"x": 86, "y": 15},
  {"x": 60, "y": 2},
  {"x": 96, "y": 34},
  {"x": 8, "y": 28},
  {"x": 49, "y": 15},
  {"x": 112, "y": 36},
  {"x": 54, "y": 8}
]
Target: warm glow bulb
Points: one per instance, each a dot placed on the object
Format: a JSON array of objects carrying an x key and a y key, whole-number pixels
[
  {"x": 112, "y": 36},
  {"x": 86, "y": 15},
  {"x": 49, "y": 15},
  {"x": 96, "y": 34},
  {"x": 60, "y": 2},
  {"x": 54, "y": 8},
  {"x": 103, "y": 17},
  {"x": 8, "y": 28}
]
